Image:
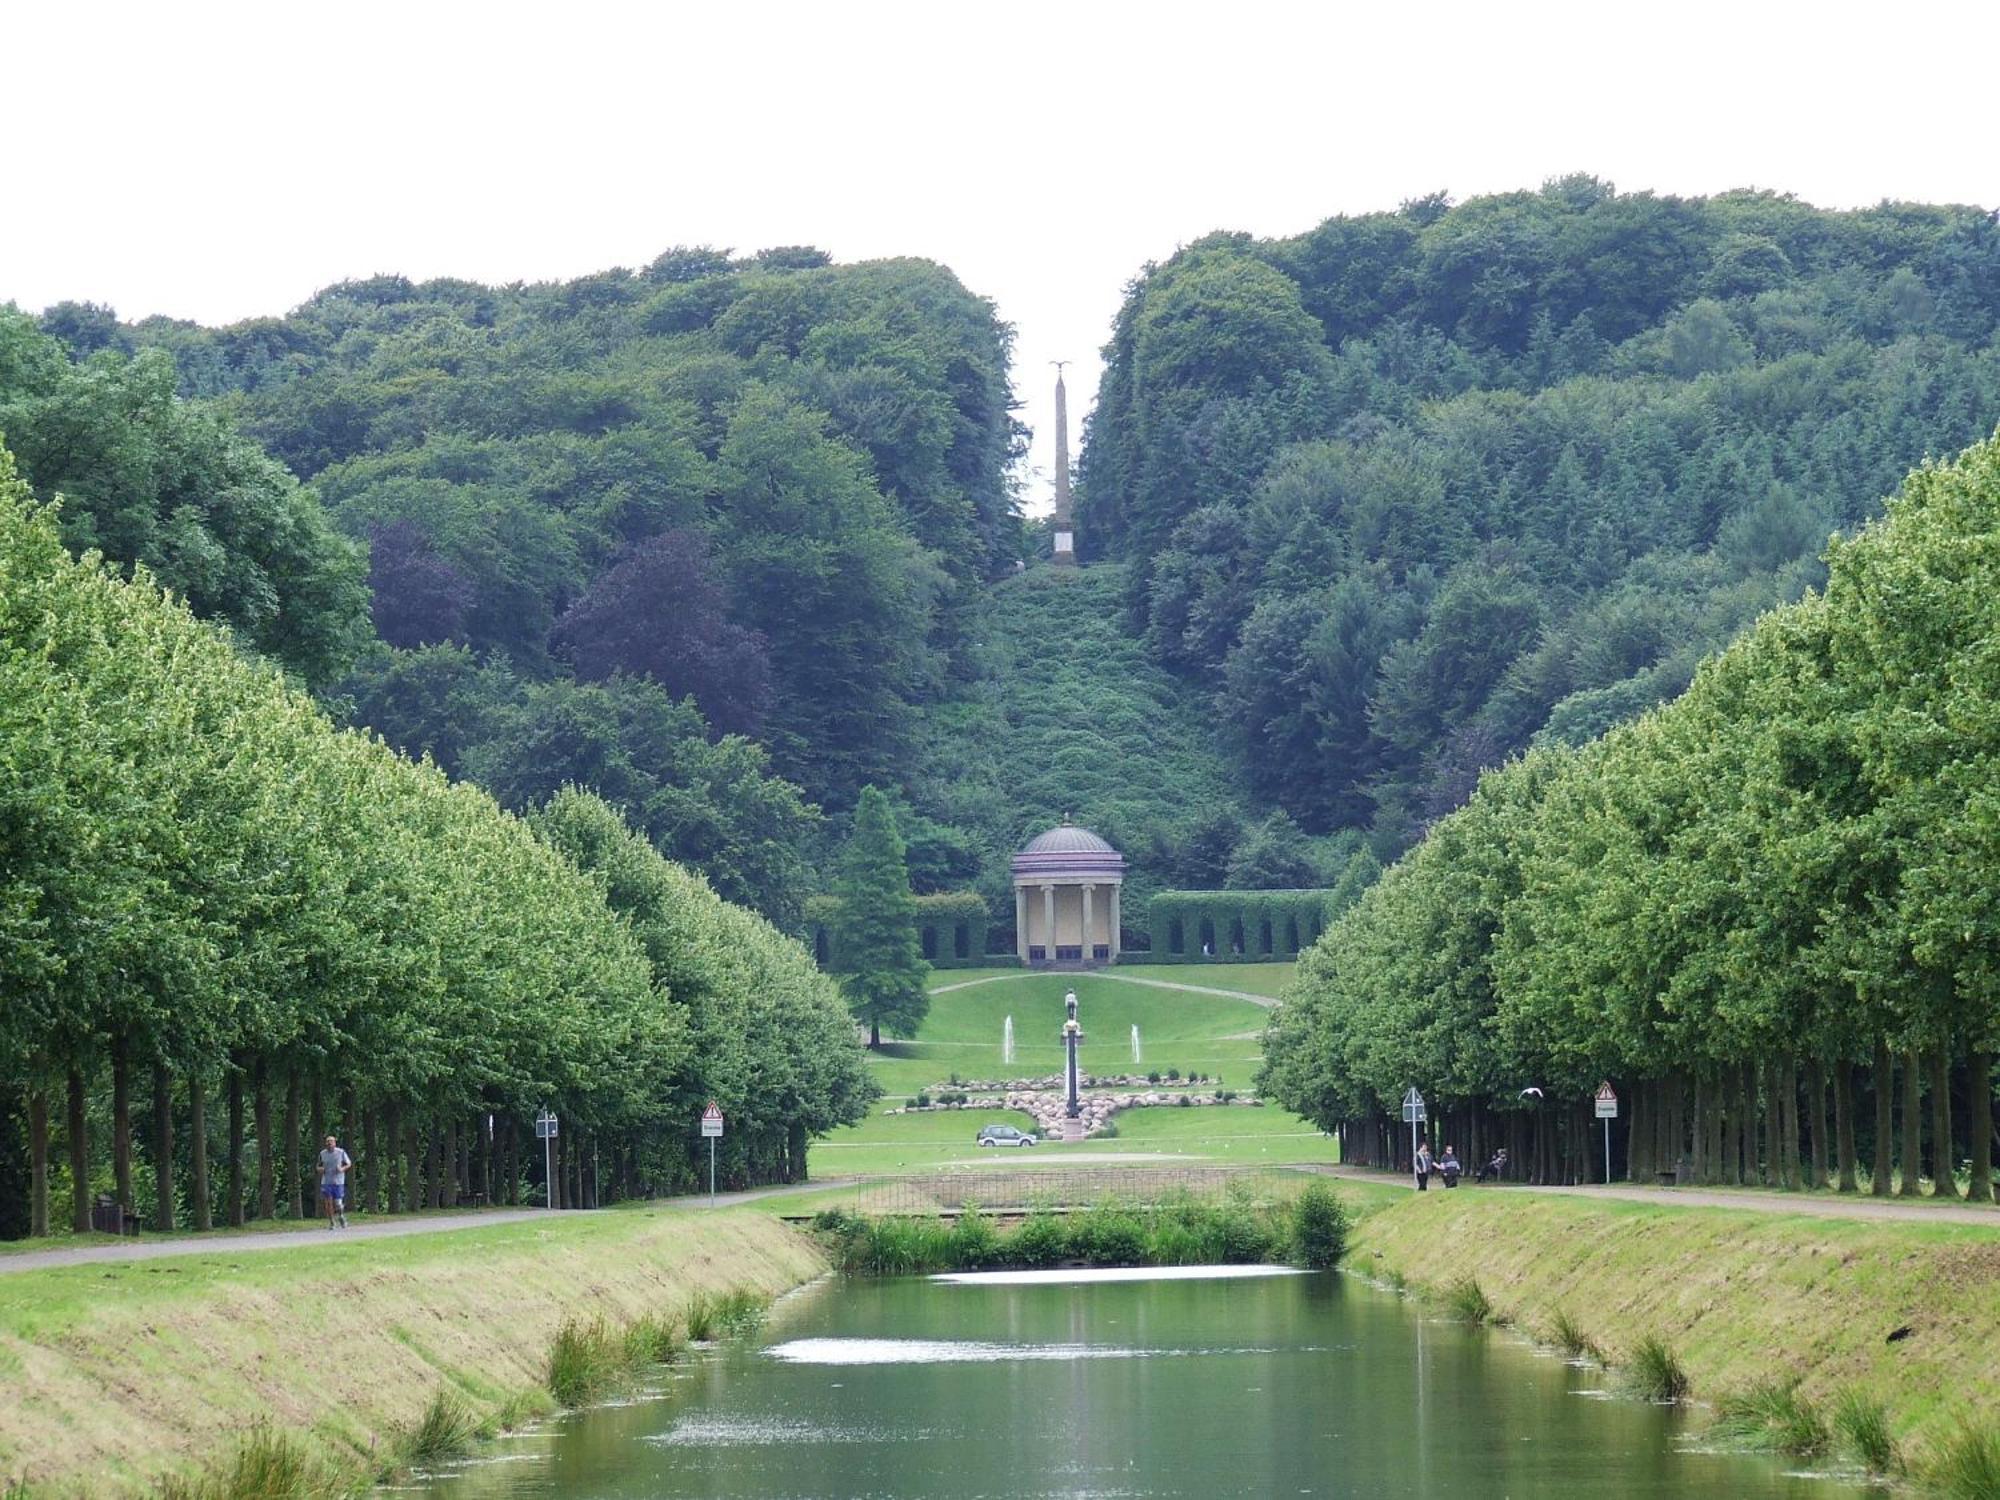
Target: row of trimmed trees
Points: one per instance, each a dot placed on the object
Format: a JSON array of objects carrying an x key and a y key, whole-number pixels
[
  {"x": 1770, "y": 911},
  {"x": 214, "y": 903}
]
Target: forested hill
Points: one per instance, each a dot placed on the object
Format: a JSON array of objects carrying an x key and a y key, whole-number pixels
[
  {"x": 1413, "y": 488},
  {"x": 774, "y": 486},
  {"x": 1069, "y": 718}
]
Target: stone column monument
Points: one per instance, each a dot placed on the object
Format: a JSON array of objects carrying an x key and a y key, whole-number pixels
[
  {"x": 1072, "y": 1035},
  {"x": 1064, "y": 522}
]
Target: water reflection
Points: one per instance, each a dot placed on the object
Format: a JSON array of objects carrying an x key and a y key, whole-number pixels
[{"x": 1163, "y": 1387}]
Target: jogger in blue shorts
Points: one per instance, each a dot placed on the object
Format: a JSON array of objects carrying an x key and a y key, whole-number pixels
[{"x": 334, "y": 1165}]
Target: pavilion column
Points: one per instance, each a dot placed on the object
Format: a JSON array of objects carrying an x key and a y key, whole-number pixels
[
  {"x": 1049, "y": 923},
  {"x": 1089, "y": 948},
  {"x": 1117, "y": 944},
  {"x": 1021, "y": 921}
]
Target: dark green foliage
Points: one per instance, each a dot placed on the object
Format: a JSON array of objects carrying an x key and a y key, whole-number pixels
[
  {"x": 1412, "y": 489},
  {"x": 951, "y": 929},
  {"x": 807, "y": 460},
  {"x": 1319, "y": 1227},
  {"x": 199, "y": 871},
  {"x": 1788, "y": 862},
  {"x": 1070, "y": 719},
  {"x": 148, "y": 479},
  {"x": 1183, "y": 1230},
  {"x": 874, "y": 930},
  {"x": 1235, "y": 926}
]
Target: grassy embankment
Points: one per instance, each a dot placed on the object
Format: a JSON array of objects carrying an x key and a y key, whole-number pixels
[
  {"x": 113, "y": 1376},
  {"x": 1760, "y": 1310}
]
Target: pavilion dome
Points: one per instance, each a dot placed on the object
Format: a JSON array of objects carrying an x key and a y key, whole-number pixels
[{"x": 1068, "y": 839}]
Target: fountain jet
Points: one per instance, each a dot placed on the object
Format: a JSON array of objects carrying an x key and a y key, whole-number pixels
[{"x": 1007, "y": 1042}]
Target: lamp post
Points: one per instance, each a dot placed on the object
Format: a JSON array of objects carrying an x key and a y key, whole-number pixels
[{"x": 1072, "y": 1035}]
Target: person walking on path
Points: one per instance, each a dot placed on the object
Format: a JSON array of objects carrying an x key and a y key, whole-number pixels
[
  {"x": 1423, "y": 1166},
  {"x": 1449, "y": 1168},
  {"x": 334, "y": 1165}
]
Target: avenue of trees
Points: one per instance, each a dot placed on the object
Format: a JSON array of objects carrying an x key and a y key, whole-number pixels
[
  {"x": 256, "y": 927},
  {"x": 1769, "y": 911},
  {"x": 1412, "y": 491}
]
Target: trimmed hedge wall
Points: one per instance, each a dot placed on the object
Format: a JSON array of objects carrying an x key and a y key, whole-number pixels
[
  {"x": 1234, "y": 927},
  {"x": 951, "y": 926}
]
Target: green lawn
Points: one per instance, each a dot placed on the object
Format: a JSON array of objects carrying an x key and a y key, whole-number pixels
[
  {"x": 909, "y": 1143},
  {"x": 1257, "y": 979},
  {"x": 1177, "y": 1029}
]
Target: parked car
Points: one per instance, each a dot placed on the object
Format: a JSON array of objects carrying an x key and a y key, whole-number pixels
[{"x": 1004, "y": 1135}]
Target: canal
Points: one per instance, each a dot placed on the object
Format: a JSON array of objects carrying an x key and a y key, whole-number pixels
[{"x": 1133, "y": 1385}]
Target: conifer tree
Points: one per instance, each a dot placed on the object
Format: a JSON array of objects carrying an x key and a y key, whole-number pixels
[{"x": 875, "y": 949}]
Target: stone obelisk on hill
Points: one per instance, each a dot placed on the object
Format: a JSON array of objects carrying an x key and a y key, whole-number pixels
[{"x": 1065, "y": 525}]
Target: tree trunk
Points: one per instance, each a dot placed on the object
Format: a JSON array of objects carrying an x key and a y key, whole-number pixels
[
  {"x": 413, "y": 1169},
  {"x": 1677, "y": 1125},
  {"x": 1882, "y": 1074},
  {"x": 1944, "y": 1163},
  {"x": 484, "y": 1126},
  {"x": 1700, "y": 1163},
  {"x": 121, "y": 1127},
  {"x": 163, "y": 1148},
  {"x": 198, "y": 1151},
  {"x": 1789, "y": 1173},
  {"x": 1843, "y": 1125},
  {"x": 79, "y": 1156},
  {"x": 1913, "y": 1125},
  {"x": 267, "y": 1148},
  {"x": 1746, "y": 1129},
  {"x": 353, "y": 1136},
  {"x": 38, "y": 1161},
  {"x": 390, "y": 1183},
  {"x": 1822, "y": 1158},
  {"x": 317, "y": 1128},
  {"x": 370, "y": 1195},
  {"x": 288, "y": 1148},
  {"x": 234, "y": 1218},
  {"x": 1979, "y": 1124},
  {"x": 440, "y": 1165}
]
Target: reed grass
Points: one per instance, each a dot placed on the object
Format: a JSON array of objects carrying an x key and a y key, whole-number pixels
[
  {"x": 584, "y": 1360},
  {"x": 1567, "y": 1336},
  {"x": 1467, "y": 1301},
  {"x": 267, "y": 1465},
  {"x": 1862, "y": 1425},
  {"x": 1772, "y": 1414},
  {"x": 1966, "y": 1465},
  {"x": 445, "y": 1430},
  {"x": 1653, "y": 1371}
]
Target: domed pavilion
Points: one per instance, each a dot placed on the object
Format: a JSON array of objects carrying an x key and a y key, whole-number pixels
[{"x": 1066, "y": 884}]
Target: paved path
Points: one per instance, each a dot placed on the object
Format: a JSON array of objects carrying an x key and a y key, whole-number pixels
[
  {"x": 371, "y": 1229},
  {"x": 1818, "y": 1205},
  {"x": 1267, "y": 1001}
]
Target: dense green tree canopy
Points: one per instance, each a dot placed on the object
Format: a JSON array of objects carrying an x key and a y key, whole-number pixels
[
  {"x": 1410, "y": 490},
  {"x": 1793, "y": 860},
  {"x": 148, "y": 478}
]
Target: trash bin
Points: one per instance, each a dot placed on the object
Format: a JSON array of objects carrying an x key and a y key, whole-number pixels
[{"x": 106, "y": 1217}]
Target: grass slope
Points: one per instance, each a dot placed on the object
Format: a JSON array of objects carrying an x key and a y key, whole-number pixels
[
  {"x": 113, "y": 1375},
  {"x": 1740, "y": 1297},
  {"x": 1071, "y": 718}
]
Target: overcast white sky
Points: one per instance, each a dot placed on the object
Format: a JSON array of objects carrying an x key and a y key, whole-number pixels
[{"x": 218, "y": 161}]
